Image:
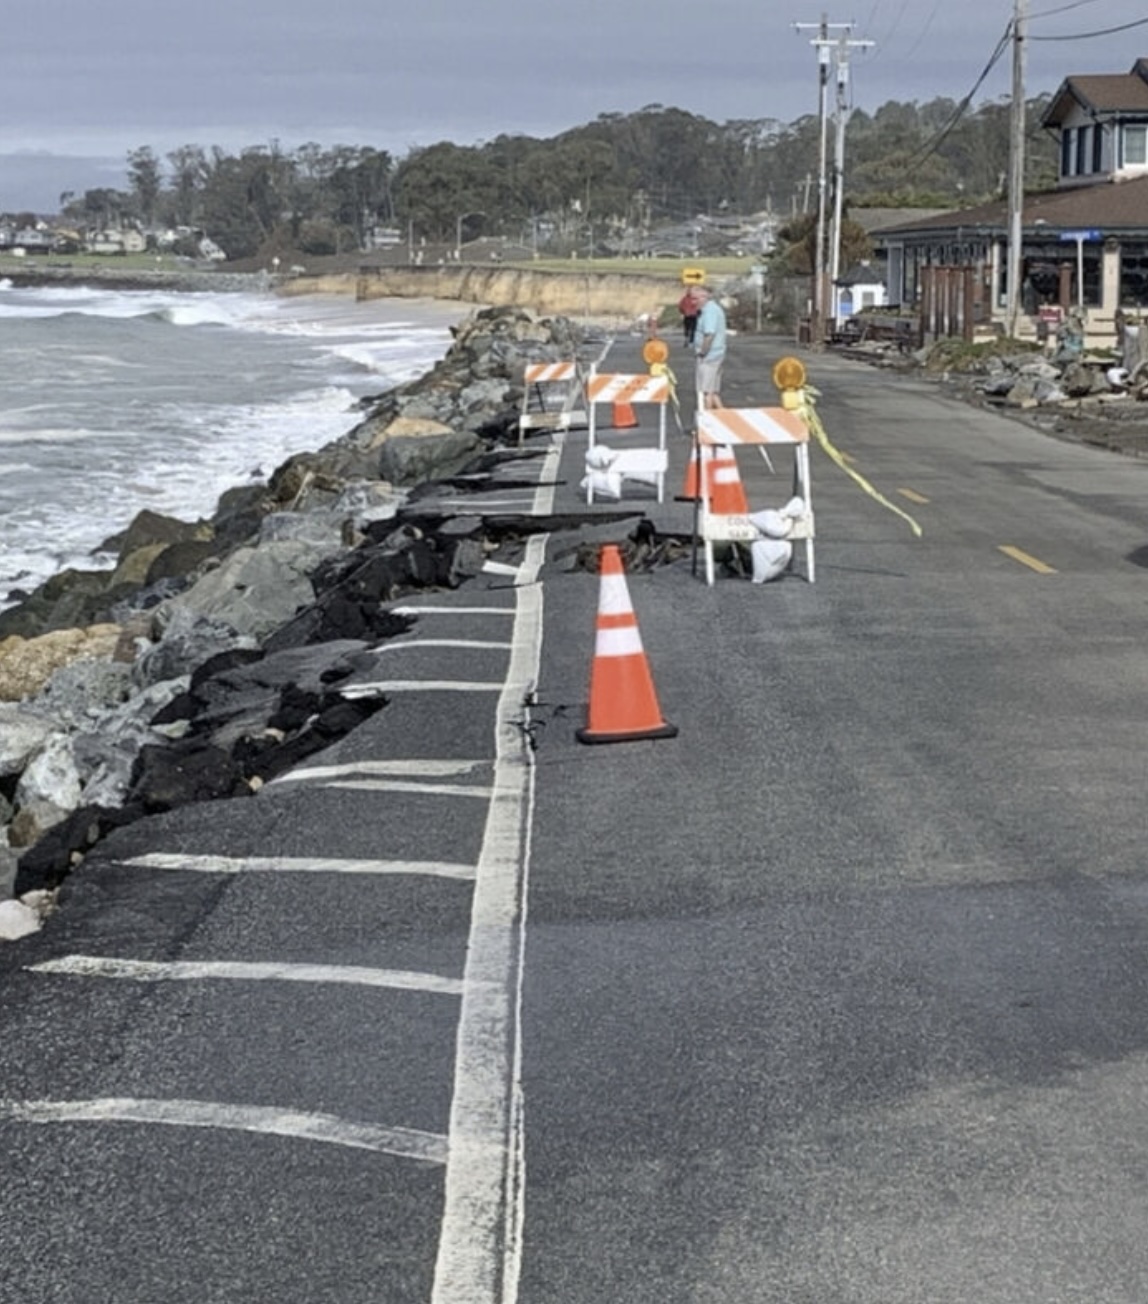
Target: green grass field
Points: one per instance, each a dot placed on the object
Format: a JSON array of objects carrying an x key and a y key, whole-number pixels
[
  {"x": 660, "y": 267},
  {"x": 108, "y": 262}
]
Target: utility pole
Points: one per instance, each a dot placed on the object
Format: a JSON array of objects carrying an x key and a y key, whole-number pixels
[
  {"x": 842, "y": 118},
  {"x": 1016, "y": 170},
  {"x": 822, "y": 43}
]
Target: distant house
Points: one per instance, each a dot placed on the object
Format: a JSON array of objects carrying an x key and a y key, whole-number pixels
[
  {"x": 116, "y": 241},
  {"x": 862, "y": 286},
  {"x": 1102, "y": 122},
  {"x": 32, "y": 239},
  {"x": 1084, "y": 244}
]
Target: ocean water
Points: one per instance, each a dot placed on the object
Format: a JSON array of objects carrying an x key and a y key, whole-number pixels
[{"x": 112, "y": 401}]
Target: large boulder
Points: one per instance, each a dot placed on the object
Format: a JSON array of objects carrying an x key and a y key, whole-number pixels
[
  {"x": 23, "y": 731},
  {"x": 150, "y": 529},
  {"x": 72, "y": 598},
  {"x": 26, "y": 665},
  {"x": 48, "y": 790},
  {"x": 407, "y": 460},
  {"x": 255, "y": 590}
]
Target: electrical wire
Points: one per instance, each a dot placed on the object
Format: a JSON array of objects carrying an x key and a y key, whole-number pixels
[
  {"x": 1084, "y": 36},
  {"x": 924, "y": 31},
  {"x": 884, "y": 45},
  {"x": 930, "y": 147},
  {"x": 1076, "y": 4}
]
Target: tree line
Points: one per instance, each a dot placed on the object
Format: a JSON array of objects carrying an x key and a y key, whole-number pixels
[{"x": 635, "y": 172}]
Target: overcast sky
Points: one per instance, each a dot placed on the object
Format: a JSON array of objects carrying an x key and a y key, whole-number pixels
[{"x": 80, "y": 85}]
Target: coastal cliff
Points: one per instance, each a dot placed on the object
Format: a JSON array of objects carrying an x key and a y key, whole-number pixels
[
  {"x": 586, "y": 294},
  {"x": 574, "y": 293}
]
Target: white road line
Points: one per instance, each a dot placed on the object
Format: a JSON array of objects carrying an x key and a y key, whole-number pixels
[
  {"x": 416, "y": 642},
  {"x": 469, "y": 507},
  {"x": 431, "y": 768},
  {"x": 480, "y": 1248},
  {"x": 149, "y": 971},
  {"x": 548, "y": 475},
  {"x": 428, "y": 1147},
  {"x": 397, "y": 785},
  {"x": 453, "y": 611},
  {"x": 381, "y": 686},
  {"x": 297, "y": 865}
]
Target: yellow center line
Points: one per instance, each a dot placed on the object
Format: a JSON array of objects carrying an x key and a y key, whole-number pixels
[
  {"x": 1026, "y": 559},
  {"x": 912, "y": 495}
]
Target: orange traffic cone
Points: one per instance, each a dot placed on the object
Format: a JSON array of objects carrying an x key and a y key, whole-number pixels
[
  {"x": 693, "y": 485},
  {"x": 727, "y": 497},
  {"x": 623, "y": 703},
  {"x": 624, "y": 416}
]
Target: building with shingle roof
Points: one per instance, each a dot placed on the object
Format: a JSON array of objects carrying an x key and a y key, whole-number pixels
[{"x": 1084, "y": 244}]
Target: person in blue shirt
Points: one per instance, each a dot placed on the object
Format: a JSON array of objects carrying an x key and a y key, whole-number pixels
[{"x": 710, "y": 347}]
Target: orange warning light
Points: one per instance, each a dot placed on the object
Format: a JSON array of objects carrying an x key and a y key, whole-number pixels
[
  {"x": 654, "y": 351},
  {"x": 788, "y": 373}
]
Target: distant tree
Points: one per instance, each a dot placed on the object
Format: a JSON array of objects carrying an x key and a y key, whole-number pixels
[
  {"x": 619, "y": 174},
  {"x": 146, "y": 181},
  {"x": 103, "y": 207},
  {"x": 241, "y": 205},
  {"x": 189, "y": 171},
  {"x": 437, "y": 186}
]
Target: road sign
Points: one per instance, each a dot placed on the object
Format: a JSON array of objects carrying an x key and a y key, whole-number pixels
[
  {"x": 1091, "y": 234},
  {"x": 693, "y": 276}
]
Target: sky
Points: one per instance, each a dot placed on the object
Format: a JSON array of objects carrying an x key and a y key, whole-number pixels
[{"x": 80, "y": 86}]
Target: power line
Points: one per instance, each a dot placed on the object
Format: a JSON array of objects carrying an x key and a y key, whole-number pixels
[
  {"x": 924, "y": 31},
  {"x": 1105, "y": 31},
  {"x": 930, "y": 147},
  {"x": 1076, "y": 4}
]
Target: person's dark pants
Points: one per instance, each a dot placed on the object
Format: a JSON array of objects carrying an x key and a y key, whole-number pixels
[{"x": 690, "y": 326}]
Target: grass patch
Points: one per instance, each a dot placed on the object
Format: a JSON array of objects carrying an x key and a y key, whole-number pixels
[
  {"x": 104, "y": 262},
  {"x": 667, "y": 268}
]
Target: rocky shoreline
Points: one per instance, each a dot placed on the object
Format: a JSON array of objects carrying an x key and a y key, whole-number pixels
[
  {"x": 185, "y": 280},
  {"x": 208, "y": 659}
]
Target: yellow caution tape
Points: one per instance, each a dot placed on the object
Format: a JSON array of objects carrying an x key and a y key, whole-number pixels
[
  {"x": 808, "y": 411},
  {"x": 663, "y": 369}
]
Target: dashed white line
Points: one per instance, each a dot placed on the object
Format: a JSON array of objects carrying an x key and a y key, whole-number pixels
[
  {"x": 433, "y": 769},
  {"x": 407, "y": 1143},
  {"x": 379, "y": 687},
  {"x": 416, "y": 642},
  {"x": 297, "y": 865},
  {"x": 398, "y": 785},
  {"x": 452, "y": 611},
  {"x": 152, "y": 971}
]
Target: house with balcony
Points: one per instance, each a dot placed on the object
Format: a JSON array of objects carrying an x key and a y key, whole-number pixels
[{"x": 1084, "y": 243}]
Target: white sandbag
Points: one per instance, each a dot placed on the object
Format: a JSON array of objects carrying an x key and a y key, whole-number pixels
[
  {"x": 771, "y": 523},
  {"x": 603, "y": 484},
  {"x": 770, "y": 558},
  {"x": 599, "y": 457}
]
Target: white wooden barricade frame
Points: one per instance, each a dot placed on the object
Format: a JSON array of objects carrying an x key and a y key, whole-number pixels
[
  {"x": 539, "y": 374},
  {"x": 760, "y": 427},
  {"x": 640, "y": 388}
]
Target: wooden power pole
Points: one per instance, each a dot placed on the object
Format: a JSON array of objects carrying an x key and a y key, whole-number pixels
[{"x": 1016, "y": 171}]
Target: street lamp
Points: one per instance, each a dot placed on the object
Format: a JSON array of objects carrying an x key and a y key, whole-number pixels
[{"x": 476, "y": 212}]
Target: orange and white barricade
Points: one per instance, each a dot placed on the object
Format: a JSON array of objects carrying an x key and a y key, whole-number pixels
[
  {"x": 550, "y": 397},
  {"x": 648, "y": 464},
  {"x": 762, "y": 427}
]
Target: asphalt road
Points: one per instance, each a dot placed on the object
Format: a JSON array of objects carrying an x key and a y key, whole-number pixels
[{"x": 838, "y": 997}]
